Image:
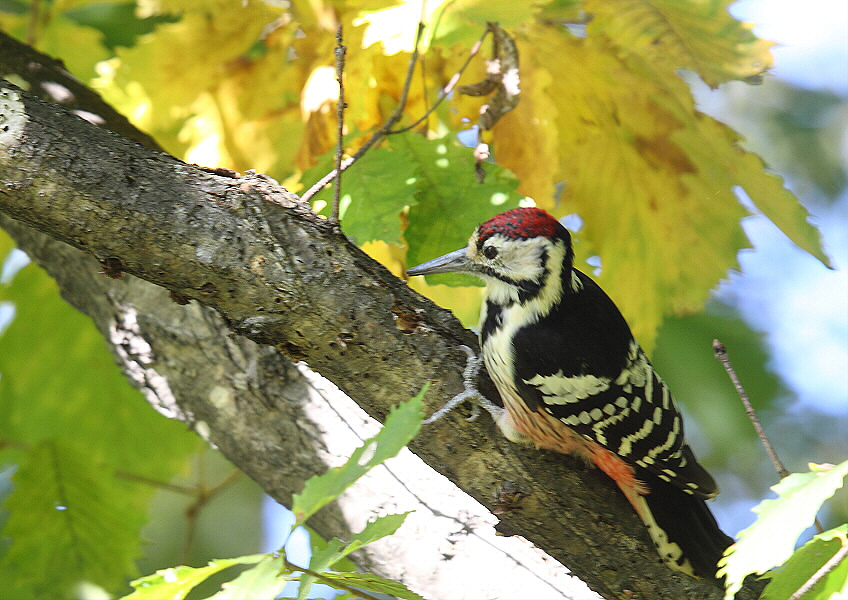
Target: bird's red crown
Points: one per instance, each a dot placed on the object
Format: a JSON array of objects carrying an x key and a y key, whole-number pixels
[{"x": 520, "y": 223}]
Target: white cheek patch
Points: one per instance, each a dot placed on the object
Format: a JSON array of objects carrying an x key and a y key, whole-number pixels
[
  {"x": 521, "y": 259},
  {"x": 518, "y": 261}
]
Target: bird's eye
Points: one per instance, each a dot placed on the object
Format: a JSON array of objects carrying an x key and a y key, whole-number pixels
[{"x": 490, "y": 252}]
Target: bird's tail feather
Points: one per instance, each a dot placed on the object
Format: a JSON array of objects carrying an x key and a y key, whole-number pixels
[{"x": 683, "y": 528}]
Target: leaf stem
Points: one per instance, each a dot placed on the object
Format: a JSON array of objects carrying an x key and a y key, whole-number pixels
[
  {"x": 445, "y": 92},
  {"x": 824, "y": 570},
  {"x": 204, "y": 495},
  {"x": 328, "y": 580},
  {"x": 163, "y": 485}
]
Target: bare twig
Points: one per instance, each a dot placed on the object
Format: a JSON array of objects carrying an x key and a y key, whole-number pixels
[
  {"x": 341, "y": 50},
  {"x": 162, "y": 485},
  {"x": 386, "y": 128},
  {"x": 380, "y": 133},
  {"x": 721, "y": 354},
  {"x": 32, "y": 25},
  {"x": 322, "y": 183},
  {"x": 826, "y": 568},
  {"x": 204, "y": 496},
  {"x": 445, "y": 92}
]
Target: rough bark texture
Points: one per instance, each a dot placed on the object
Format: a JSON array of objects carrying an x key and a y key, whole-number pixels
[
  {"x": 277, "y": 275},
  {"x": 281, "y": 428}
]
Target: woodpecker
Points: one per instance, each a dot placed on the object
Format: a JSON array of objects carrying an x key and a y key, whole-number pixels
[{"x": 574, "y": 380}]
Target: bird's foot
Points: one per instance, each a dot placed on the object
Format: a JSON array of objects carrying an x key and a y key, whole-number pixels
[{"x": 469, "y": 376}]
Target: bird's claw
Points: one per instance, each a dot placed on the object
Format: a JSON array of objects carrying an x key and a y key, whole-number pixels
[{"x": 469, "y": 376}]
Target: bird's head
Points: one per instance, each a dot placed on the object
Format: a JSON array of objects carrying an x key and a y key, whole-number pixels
[{"x": 519, "y": 254}]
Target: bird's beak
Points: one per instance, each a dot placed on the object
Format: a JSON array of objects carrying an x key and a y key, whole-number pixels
[{"x": 456, "y": 261}]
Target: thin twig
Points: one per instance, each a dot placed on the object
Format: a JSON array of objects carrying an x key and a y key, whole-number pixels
[
  {"x": 163, "y": 485},
  {"x": 203, "y": 497},
  {"x": 721, "y": 354},
  {"x": 824, "y": 570},
  {"x": 380, "y": 133},
  {"x": 398, "y": 112},
  {"x": 322, "y": 183},
  {"x": 377, "y": 135},
  {"x": 192, "y": 510},
  {"x": 32, "y": 26},
  {"x": 386, "y": 128},
  {"x": 445, "y": 92},
  {"x": 341, "y": 50},
  {"x": 329, "y": 580}
]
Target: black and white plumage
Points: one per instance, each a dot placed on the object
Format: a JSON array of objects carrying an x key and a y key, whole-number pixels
[{"x": 573, "y": 379}]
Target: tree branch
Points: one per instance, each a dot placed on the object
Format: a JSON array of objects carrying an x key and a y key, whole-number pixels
[
  {"x": 290, "y": 423},
  {"x": 280, "y": 276}
]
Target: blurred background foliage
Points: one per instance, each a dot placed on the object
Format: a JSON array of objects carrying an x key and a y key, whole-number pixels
[{"x": 606, "y": 136}]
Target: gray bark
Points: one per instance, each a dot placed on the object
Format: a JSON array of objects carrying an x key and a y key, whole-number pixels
[{"x": 266, "y": 277}]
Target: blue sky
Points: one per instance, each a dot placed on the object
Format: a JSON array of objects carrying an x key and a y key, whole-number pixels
[
  {"x": 812, "y": 37},
  {"x": 800, "y": 305}
]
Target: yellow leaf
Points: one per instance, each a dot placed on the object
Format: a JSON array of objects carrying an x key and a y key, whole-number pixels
[
  {"x": 604, "y": 127},
  {"x": 526, "y": 140},
  {"x": 652, "y": 179},
  {"x": 765, "y": 189},
  {"x": 185, "y": 62},
  {"x": 692, "y": 34}
]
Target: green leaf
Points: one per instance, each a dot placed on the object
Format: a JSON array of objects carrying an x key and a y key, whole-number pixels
[
  {"x": 400, "y": 427},
  {"x": 375, "y": 191},
  {"x": 61, "y": 389},
  {"x": 769, "y": 542},
  {"x": 780, "y": 205},
  {"x": 81, "y": 46},
  {"x": 59, "y": 381},
  {"x": 7, "y": 244},
  {"x": 175, "y": 583},
  {"x": 119, "y": 23},
  {"x": 805, "y": 562},
  {"x": 377, "y": 529},
  {"x": 462, "y": 23},
  {"x": 714, "y": 147},
  {"x": 336, "y": 550},
  {"x": 371, "y": 583},
  {"x": 451, "y": 202},
  {"x": 321, "y": 560},
  {"x": 69, "y": 520},
  {"x": 325, "y": 557},
  {"x": 261, "y": 581}
]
